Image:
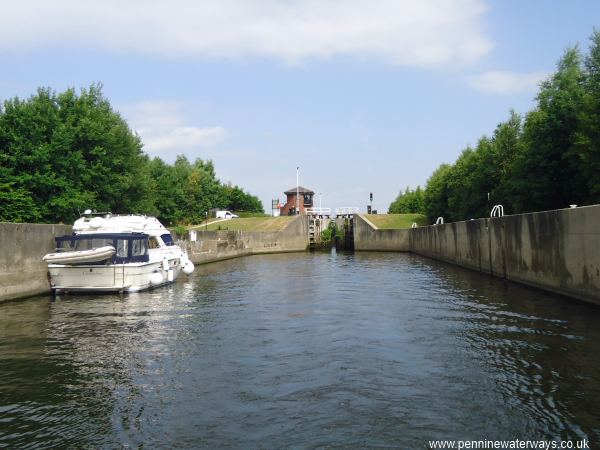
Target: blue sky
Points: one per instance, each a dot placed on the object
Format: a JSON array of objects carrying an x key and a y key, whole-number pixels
[{"x": 364, "y": 96}]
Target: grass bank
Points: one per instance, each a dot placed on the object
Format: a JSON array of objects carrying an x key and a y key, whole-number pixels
[
  {"x": 396, "y": 221},
  {"x": 249, "y": 224}
]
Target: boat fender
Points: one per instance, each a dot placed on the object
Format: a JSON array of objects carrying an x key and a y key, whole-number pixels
[
  {"x": 184, "y": 259},
  {"x": 165, "y": 264},
  {"x": 156, "y": 278},
  {"x": 188, "y": 268}
]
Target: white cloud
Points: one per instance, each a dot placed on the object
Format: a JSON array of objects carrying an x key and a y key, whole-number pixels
[
  {"x": 163, "y": 129},
  {"x": 406, "y": 32},
  {"x": 185, "y": 138},
  {"x": 503, "y": 82}
]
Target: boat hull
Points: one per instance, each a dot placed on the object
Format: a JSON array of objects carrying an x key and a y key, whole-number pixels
[{"x": 131, "y": 277}]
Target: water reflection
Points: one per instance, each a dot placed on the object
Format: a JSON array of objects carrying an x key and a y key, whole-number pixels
[
  {"x": 301, "y": 350},
  {"x": 537, "y": 349}
]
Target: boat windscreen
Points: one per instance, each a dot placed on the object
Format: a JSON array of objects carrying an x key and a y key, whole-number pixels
[
  {"x": 132, "y": 250},
  {"x": 167, "y": 239}
]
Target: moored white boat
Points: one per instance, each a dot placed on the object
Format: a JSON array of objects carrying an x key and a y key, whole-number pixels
[{"x": 122, "y": 253}]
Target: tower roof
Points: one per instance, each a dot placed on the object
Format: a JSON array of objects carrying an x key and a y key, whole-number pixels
[{"x": 301, "y": 190}]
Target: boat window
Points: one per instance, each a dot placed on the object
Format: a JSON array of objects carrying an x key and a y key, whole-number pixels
[
  {"x": 122, "y": 245},
  {"x": 153, "y": 242},
  {"x": 167, "y": 239},
  {"x": 130, "y": 247},
  {"x": 88, "y": 244},
  {"x": 138, "y": 247},
  {"x": 65, "y": 244}
]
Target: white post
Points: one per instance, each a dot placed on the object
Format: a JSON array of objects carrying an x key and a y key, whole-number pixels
[{"x": 297, "y": 190}]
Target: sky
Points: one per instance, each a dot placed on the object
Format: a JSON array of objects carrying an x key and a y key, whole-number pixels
[{"x": 363, "y": 96}]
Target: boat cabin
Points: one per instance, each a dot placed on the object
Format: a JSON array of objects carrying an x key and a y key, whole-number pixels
[{"x": 130, "y": 247}]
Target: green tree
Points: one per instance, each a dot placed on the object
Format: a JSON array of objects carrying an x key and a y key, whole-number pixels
[
  {"x": 545, "y": 175},
  {"x": 471, "y": 186},
  {"x": 69, "y": 152},
  {"x": 507, "y": 144},
  {"x": 63, "y": 153},
  {"x": 202, "y": 190},
  {"x": 16, "y": 205},
  {"x": 548, "y": 160},
  {"x": 408, "y": 202},
  {"x": 236, "y": 199},
  {"x": 167, "y": 189},
  {"x": 185, "y": 192},
  {"x": 587, "y": 146},
  {"x": 437, "y": 193},
  {"x": 470, "y": 181}
]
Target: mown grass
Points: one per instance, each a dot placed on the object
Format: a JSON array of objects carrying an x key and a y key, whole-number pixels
[
  {"x": 244, "y": 214},
  {"x": 396, "y": 221},
  {"x": 249, "y": 224}
]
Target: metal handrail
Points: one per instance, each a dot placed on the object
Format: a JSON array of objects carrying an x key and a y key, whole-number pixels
[
  {"x": 414, "y": 225},
  {"x": 439, "y": 221},
  {"x": 318, "y": 211},
  {"x": 346, "y": 210},
  {"x": 497, "y": 211}
]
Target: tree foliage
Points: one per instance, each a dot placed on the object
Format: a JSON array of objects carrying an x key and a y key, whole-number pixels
[
  {"x": 547, "y": 160},
  {"x": 408, "y": 202},
  {"x": 185, "y": 192},
  {"x": 437, "y": 192},
  {"x": 63, "y": 153},
  {"x": 547, "y": 174},
  {"x": 586, "y": 149}
]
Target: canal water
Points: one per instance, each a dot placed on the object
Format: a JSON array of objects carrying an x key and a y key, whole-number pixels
[{"x": 301, "y": 351}]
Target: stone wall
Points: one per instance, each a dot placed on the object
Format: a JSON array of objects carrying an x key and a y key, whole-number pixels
[{"x": 22, "y": 245}]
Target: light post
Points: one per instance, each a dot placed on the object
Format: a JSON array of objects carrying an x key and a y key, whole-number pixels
[
  {"x": 320, "y": 197},
  {"x": 297, "y": 190}
]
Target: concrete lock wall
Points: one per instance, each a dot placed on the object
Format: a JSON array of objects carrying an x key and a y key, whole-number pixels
[
  {"x": 464, "y": 243},
  {"x": 368, "y": 238},
  {"x": 558, "y": 251},
  {"x": 22, "y": 245},
  {"x": 213, "y": 246}
]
